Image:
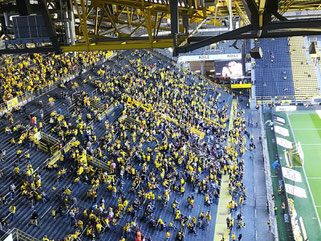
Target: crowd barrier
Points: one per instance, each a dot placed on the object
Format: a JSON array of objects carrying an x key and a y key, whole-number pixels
[
  {"x": 268, "y": 180},
  {"x": 17, "y": 235},
  {"x": 108, "y": 110},
  {"x": 57, "y": 155},
  {"x": 47, "y": 143}
]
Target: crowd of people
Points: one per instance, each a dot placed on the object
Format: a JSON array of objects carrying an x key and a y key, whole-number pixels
[
  {"x": 156, "y": 145},
  {"x": 30, "y": 72}
]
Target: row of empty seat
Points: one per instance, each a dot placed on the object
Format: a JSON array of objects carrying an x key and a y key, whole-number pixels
[
  {"x": 273, "y": 74},
  {"x": 304, "y": 73}
]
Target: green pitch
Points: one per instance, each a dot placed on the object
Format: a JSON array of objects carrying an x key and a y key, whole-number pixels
[{"x": 306, "y": 127}]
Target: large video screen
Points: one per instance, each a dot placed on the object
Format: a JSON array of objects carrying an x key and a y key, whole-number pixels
[{"x": 232, "y": 69}]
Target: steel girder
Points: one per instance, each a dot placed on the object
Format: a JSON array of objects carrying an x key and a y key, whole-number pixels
[
  {"x": 269, "y": 30},
  {"x": 115, "y": 24}
]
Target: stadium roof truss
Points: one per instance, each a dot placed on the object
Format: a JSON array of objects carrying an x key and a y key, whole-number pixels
[{"x": 88, "y": 25}]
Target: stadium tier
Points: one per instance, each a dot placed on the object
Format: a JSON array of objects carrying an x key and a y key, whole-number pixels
[
  {"x": 287, "y": 71},
  {"x": 273, "y": 73},
  {"x": 224, "y": 47},
  {"x": 129, "y": 146},
  {"x": 133, "y": 147}
]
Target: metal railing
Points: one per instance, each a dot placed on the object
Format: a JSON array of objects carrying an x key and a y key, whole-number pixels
[
  {"x": 17, "y": 235},
  {"x": 108, "y": 110},
  {"x": 99, "y": 164},
  {"x": 268, "y": 180}
]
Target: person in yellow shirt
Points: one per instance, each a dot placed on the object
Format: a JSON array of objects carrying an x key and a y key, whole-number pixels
[
  {"x": 12, "y": 210},
  {"x": 168, "y": 234}
]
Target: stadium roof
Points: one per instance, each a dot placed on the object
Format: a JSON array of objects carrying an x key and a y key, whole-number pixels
[{"x": 86, "y": 25}]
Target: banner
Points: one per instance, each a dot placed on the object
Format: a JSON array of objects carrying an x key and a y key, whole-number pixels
[
  {"x": 291, "y": 174},
  {"x": 12, "y": 103},
  {"x": 241, "y": 86},
  {"x": 198, "y": 132},
  {"x": 279, "y": 120},
  {"x": 226, "y": 57},
  {"x": 284, "y": 143},
  {"x": 131, "y": 101},
  {"x": 295, "y": 191},
  {"x": 281, "y": 130},
  {"x": 285, "y": 108},
  {"x": 9, "y": 238}
]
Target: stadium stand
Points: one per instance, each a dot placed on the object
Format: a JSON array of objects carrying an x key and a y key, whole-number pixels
[
  {"x": 223, "y": 47},
  {"x": 141, "y": 151},
  {"x": 304, "y": 74},
  {"x": 273, "y": 72}
]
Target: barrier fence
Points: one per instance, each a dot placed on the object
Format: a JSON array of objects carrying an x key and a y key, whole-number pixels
[
  {"x": 57, "y": 155},
  {"x": 268, "y": 181},
  {"x": 47, "y": 143},
  {"x": 17, "y": 235}
]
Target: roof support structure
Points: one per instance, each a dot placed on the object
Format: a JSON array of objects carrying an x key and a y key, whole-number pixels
[
  {"x": 214, "y": 39},
  {"x": 51, "y": 30},
  {"x": 269, "y": 30},
  {"x": 174, "y": 19}
]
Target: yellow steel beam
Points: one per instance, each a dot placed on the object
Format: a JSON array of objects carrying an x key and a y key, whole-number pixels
[
  {"x": 156, "y": 7},
  {"x": 261, "y": 12},
  {"x": 110, "y": 18},
  {"x": 149, "y": 25},
  {"x": 164, "y": 43},
  {"x": 241, "y": 13},
  {"x": 192, "y": 33},
  {"x": 129, "y": 15},
  {"x": 84, "y": 15},
  {"x": 82, "y": 19},
  {"x": 138, "y": 26},
  {"x": 155, "y": 24},
  {"x": 133, "y": 22},
  {"x": 262, "y": 5},
  {"x": 96, "y": 22},
  {"x": 91, "y": 8}
]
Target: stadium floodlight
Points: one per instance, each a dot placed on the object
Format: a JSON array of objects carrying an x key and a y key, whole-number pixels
[
  {"x": 256, "y": 53},
  {"x": 312, "y": 48}
]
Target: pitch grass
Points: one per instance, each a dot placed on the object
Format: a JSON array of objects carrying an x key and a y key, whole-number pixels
[{"x": 307, "y": 130}]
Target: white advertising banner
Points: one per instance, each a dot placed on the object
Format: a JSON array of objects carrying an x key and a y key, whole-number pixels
[
  {"x": 281, "y": 130},
  {"x": 223, "y": 57},
  {"x": 285, "y": 108},
  {"x": 284, "y": 143},
  {"x": 9, "y": 238},
  {"x": 295, "y": 191},
  {"x": 291, "y": 174},
  {"x": 279, "y": 120}
]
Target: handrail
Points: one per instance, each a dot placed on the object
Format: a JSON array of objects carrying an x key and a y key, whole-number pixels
[
  {"x": 268, "y": 180},
  {"x": 3, "y": 237},
  {"x": 19, "y": 235},
  {"x": 108, "y": 110},
  {"x": 45, "y": 212},
  {"x": 52, "y": 160},
  {"x": 98, "y": 163}
]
